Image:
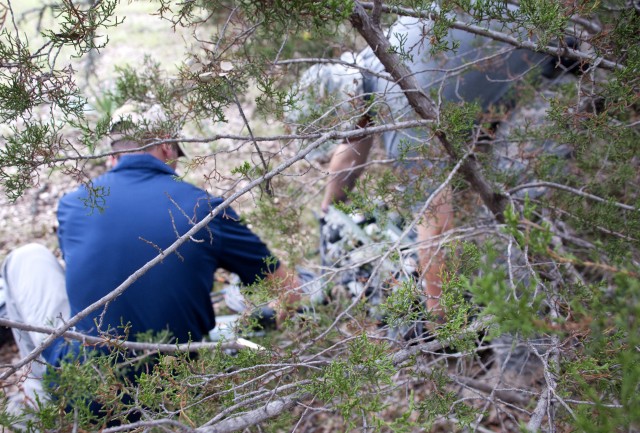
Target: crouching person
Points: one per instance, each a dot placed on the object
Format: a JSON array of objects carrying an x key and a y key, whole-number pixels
[{"x": 140, "y": 208}]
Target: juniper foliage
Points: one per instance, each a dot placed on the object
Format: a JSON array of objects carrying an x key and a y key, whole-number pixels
[{"x": 541, "y": 269}]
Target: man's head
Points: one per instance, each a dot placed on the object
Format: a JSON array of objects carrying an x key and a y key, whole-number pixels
[{"x": 141, "y": 129}]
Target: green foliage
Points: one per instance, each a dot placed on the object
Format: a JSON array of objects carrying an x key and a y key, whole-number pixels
[
  {"x": 343, "y": 381},
  {"x": 563, "y": 266},
  {"x": 79, "y": 27},
  {"x": 444, "y": 402},
  {"x": 404, "y": 305},
  {"x": 299, "y": 14},
  {"x": 163, "y": 336},
  {"x": 365, "y": 197},
  {"x": 281, "y": 220},
  {"x": 533, "y": 236},
  {"x": 273, "y": 100},
  {"x": 147, "y": 85},
  {"x": 514, "y": 309},
  {"x": 401, "y": 191},
  {"x": 547, "y": 17},
  {"x": 16, "y": 99},
  {"x": 75, "y": 385},
  {"x": 607, "y": 368},
  {"x": 7, "y": 419},
  {"x": 243, "y": 169},
  {"x": 458, "y": 121},
  {"x": 441, "y": 27},
  {"x": 21, "y": 154},
  {"x": 32, "y": 82},
  {"x": 31, "y": 85},
  {"x": 455, "y": 283},
  {"x": 164, "y": 385}
]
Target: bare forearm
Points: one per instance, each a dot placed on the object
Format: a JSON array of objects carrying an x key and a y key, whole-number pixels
[
  {"x": 289, "y": 296},
  {"x": 345, "y": 167},
  {"x": 437, "y": 220}
]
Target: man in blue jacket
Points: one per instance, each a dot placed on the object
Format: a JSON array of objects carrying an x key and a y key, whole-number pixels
[{"x": 140, "y": 208}]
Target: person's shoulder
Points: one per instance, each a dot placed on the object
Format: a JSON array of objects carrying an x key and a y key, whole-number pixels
[
  {"x": 201, "y": 198},
  {"x": 206, "y": 203},
  {"x": 213, "y": 202},
  {"x": 188, "y": 189},
  {"x": 79, "y": 192}
]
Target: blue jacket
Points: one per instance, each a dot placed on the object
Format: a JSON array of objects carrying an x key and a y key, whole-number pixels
[{"x": 142, "y": 208}]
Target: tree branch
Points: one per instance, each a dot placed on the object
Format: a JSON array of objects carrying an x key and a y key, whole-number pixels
[
  {"x": 337, "y": 135},
  {"x": 158, "y": 423},
  {"x": 566, "y": 52},
  {"x": 376, "y": 12},
  {"x": 265, "y": 166},
  {"x": 425, "y": 108},
  {"x": 573, "y": 191},
  {"x": 256, "y": 416},
  {"x": 118, "y": 342}
]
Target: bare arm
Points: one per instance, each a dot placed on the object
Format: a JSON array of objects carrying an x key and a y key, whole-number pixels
[
  {"x": 436, "y": 220},
  {"x": 288, "y": 293},
  {"x": 353, "y": 153}
]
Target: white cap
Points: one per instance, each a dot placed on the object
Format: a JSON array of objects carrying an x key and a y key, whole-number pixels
[{"x": 152, "y": 117}]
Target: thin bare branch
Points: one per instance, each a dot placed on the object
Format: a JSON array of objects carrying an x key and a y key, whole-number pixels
[
  {"x": 567, "y": 52},
  {"x": 108, "y": 341},
  {"x": 256, "y": 416},
  {"x": 335, "y": 135},
  {"x": 573, "y": 191}
]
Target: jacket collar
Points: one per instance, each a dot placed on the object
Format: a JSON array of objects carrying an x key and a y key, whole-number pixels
[{"x": 142, "y": 161}]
